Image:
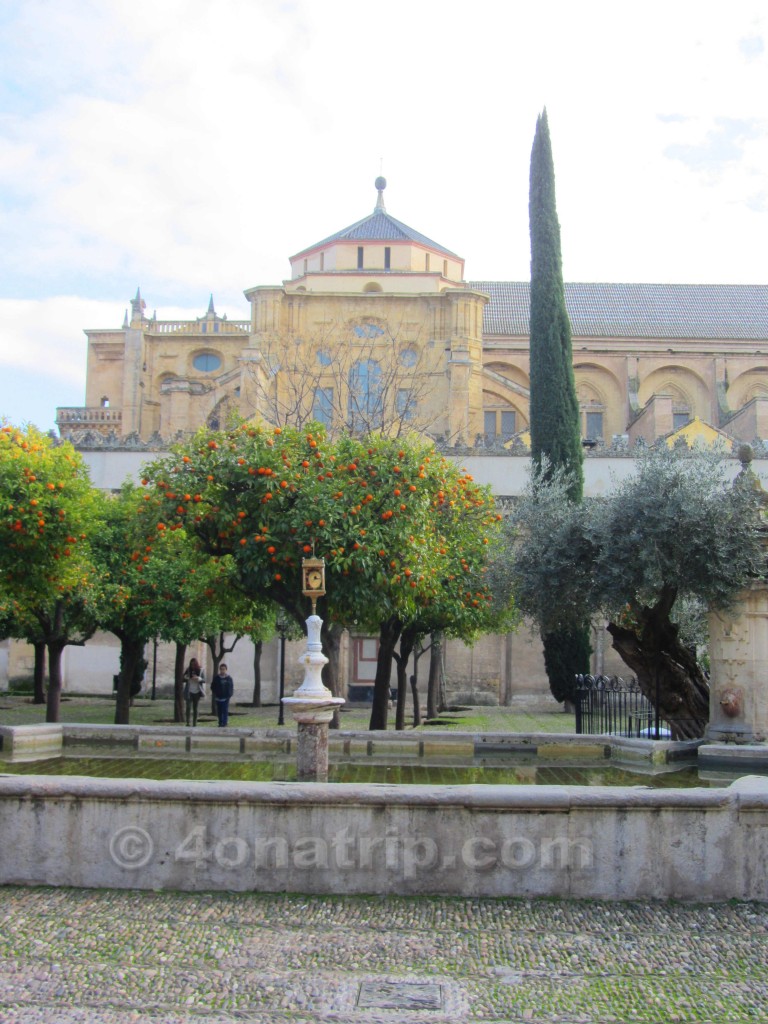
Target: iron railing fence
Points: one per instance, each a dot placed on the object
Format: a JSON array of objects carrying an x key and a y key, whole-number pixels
[{"x": 615, "y": 706}]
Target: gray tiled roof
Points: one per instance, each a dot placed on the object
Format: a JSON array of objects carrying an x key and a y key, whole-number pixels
[
  {"x": 379, "y": 227},
  {"x": 719, "y": 311}
]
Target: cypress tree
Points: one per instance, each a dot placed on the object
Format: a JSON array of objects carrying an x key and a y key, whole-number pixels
[{"x": 554, "y": 416}]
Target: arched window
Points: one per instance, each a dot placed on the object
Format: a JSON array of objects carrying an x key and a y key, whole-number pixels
[
  {"x": 217, "y": 420},
  {"x": 499, "y": 424},
  {"x": 681, "y": 414},
  {"x": 322, "y": 406},
  {"x": 206, "y": 362},
  {"x": 364, "y": 402},
  {"x": 367, "y": 330}
]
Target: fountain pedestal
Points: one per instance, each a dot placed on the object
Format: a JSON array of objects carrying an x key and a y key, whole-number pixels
[
  {"x": 738, "y": 650},
  {"x": 312, "y": 706}
]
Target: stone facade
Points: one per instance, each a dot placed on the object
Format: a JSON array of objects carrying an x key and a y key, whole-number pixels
[{"x": 377, "y": 326}]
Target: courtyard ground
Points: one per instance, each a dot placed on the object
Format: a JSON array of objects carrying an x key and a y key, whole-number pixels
[
  {"x": 18, "y": 710},
  {"x": 74, "y": 956},
  {"x": 70, "y": 956}
]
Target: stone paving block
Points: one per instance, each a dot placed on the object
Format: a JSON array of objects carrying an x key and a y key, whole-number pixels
[
  {"x": 395, "y": 748},
  {"x": 433, "y": 747},
  {"x": 358, "y": 746},
  {"x": 255, "y": 744},
  {"x": 168, "y": 741},
  {"x": 206, "y": 744},
  {"x": 573, "y": 751}
]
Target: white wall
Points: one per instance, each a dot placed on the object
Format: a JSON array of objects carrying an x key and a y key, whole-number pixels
[{"x": 507, "y": 474}]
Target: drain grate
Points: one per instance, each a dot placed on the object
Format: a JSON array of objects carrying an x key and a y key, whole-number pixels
[{"x": 400, "y": 995}]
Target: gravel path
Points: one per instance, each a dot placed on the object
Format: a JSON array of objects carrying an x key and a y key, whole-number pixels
[{"x": 70, "y": 956}]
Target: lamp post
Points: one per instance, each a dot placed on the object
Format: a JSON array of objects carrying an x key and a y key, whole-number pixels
[
  {"x": 281, "y": 627},
  {"x": 313, "y": 704}
]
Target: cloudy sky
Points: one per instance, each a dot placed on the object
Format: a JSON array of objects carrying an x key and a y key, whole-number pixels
[{"x": 192, "y": 146}]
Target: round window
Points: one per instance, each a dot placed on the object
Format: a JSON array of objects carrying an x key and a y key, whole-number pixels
[
  {"x": 409, "y": 357},
  {"x": 206, "y": 362}
]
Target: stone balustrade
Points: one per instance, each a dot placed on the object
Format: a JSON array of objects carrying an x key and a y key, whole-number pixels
[
  {"x": 197, "y": 327},
  {"x": 85, "y": 416}
]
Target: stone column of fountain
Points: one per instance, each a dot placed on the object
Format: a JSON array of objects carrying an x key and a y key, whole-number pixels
[
  {"x": 312, "y": 704},
  {"x": 738, "y": 648}
]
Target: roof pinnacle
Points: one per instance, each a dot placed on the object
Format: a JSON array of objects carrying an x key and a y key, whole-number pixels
[
  {"x": 138, "y": 305},
  {"x": 381, "y": 184}
]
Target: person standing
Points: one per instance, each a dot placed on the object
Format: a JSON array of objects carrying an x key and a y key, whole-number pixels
[
  {"x": 194, "y": 689},
  {"x": 223, "y": 689}
]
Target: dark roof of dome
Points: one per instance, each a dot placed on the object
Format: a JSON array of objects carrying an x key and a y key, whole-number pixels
[
  {"x": 736, "y": 311},
  {"x": 379, "y": 227}
]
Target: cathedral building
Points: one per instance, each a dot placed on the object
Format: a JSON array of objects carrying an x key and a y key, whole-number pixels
[{"x": 376, "y": 328}]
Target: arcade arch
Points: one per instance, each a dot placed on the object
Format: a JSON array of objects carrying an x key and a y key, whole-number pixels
[
  {"x": 689, "y": 393},
  {"x": 751, "y": 384},
  {"x": 602, "y": 405}
]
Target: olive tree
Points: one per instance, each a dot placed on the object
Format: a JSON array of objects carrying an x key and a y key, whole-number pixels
[{"x": 675, "y": 531}]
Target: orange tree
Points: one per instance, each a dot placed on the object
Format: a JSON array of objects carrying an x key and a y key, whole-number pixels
[
  {"x": 122, "y": 551},
  {"x": 464, "y": 528},
  {"x": 47, "y": 516},
  {"x": 155, "y": 583},
  {"x": 427, "y": 556},
  {"x": 195, "y": 596},
  {"x": 186, "y": 590},
  {"x": 373, "y": 507},
  {"x": 17, "y": 622}
]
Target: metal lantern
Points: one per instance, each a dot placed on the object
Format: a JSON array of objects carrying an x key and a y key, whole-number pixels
[{"x": 313, "y": 578}]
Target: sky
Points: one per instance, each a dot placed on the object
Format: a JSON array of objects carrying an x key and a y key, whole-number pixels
[{"x": 189, "y": 147}]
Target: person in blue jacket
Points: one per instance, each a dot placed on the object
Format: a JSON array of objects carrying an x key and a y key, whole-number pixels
[{"x": 223, "y": 689}]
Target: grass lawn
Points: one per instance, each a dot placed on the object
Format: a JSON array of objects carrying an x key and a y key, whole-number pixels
[{"x": 18, "y": 710}]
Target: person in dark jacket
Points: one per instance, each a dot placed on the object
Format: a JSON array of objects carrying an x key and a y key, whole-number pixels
[{"x": 222, "y": 689}]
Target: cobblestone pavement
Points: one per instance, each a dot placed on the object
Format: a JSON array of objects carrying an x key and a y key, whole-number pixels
[{"x": 70, "y": 956}]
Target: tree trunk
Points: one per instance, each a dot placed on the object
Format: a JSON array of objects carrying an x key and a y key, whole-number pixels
[
  {"x": 258, "y": 647},
  {"x": 178, "y": 683},
  {"x": 39, "y": 676},
  {"x": 52, "y": 711},
  {"x": 389, "y": 633},
  {"x": 131, "y": 654},
  {"x": 435, "y": 671},
  {"x": 331, "y": 640},
  {"x": 417, "y": 653},
  {"x": 654, "y": 653},
  {"x": 407, "y": 643},
  {"x": 415, "y": 695}
]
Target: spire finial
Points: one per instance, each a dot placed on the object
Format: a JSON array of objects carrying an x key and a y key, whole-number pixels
[
  {"x": 381, "y": 184},
  {"x": 138, "y": 305},
  {"x": 211, "y": 310}
]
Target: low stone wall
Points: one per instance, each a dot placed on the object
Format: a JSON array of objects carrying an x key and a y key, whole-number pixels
[
  {"x": 30, "y": 742},
  {"x": 588, "y": 842}
]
